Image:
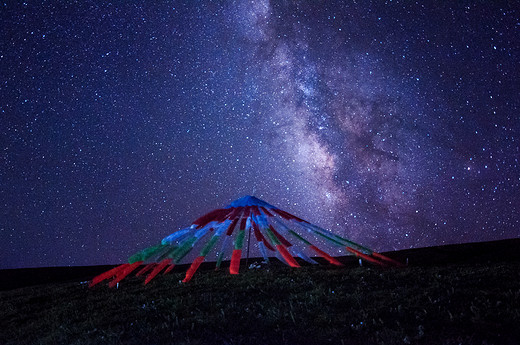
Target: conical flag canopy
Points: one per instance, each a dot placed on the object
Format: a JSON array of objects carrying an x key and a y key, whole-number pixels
[{"x": 223, "y": 231}]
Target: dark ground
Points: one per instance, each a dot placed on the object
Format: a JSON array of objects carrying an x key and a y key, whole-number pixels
[{"x": 459, "y": 294}]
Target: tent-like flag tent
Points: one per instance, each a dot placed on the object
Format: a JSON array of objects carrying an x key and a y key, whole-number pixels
[{"x": 275, "y": 231}]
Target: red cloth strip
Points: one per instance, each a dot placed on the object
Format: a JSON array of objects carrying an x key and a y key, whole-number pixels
[
  {"x": 247, "y": 211},
  {"x": 295, "y": 218},
  {"x": 287, "y": 256},
  {"x": 223, "y": 215},
  {"x": 256, "y": 229},
  {"x": 288, "y": 216},
  {"x": 282, "y": 214},
  {"x": 122, "y": 274},
  {"x": 260, "y": 237},
  {"x": 193, "y": 268},
  {"x": 157, "y": 269},
  {"x": 280, "y": 237},
  {"x": 329, "y": 258},
  {"x": 145, "y": 269},
  {"x": 366, "y": 257},
  {"x": 256, "y": 210},
  {"x": 215, "y": 215},
  {"x": 266, "y": 211},
  {"x": 386, "y": 258},
  {"x": 236, "y": 212},
  {"x": 108, "y": 274},
  {"x": 267, "y": 244},
  {"x": 232, "y": 226},
  {"x": 168, "y": 269},
  {"x": 235, "y": 261}
]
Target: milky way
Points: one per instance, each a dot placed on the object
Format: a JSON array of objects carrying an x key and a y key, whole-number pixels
[{"x": 394, "y": 124}]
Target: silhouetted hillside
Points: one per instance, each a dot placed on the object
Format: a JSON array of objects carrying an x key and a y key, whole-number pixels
[
  {"x": 481, "y": 252},
  {"x": 457, "y": 294}
]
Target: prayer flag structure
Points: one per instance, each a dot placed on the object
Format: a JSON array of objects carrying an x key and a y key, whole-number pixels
[{"x": 223, "y": 231}]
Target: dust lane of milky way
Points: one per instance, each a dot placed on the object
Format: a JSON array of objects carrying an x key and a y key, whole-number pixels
[{"x": 394, "y": 124}]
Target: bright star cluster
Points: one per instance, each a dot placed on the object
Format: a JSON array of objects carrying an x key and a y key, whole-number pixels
[{"x": 395, "y": 124}]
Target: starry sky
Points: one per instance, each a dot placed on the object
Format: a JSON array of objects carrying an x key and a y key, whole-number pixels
[{"x": 393, "y": 123}]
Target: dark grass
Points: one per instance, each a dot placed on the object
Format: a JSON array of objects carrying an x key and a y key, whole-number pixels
[{"x": 459, "y": 303}]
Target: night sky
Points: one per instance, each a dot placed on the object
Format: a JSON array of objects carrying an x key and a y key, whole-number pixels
[{"x": 394, "y": 124}]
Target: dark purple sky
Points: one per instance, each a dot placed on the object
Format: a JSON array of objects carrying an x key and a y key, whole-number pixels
[{"x": 394, "y": 124}]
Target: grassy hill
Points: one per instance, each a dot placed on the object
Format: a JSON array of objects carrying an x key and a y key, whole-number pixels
[{"x": 460, "y": 294}]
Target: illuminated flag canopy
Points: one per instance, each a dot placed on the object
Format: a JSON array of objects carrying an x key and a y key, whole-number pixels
[{"x": 221, "y": 232}]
